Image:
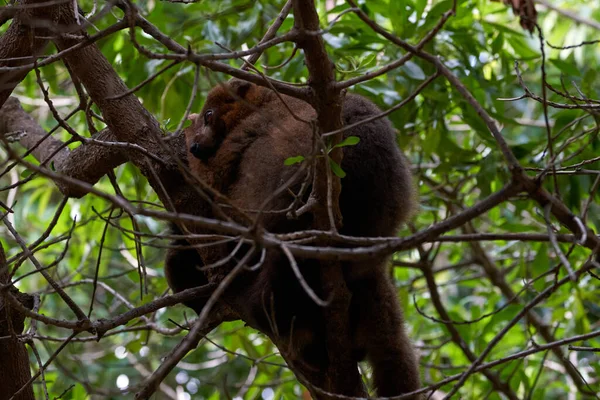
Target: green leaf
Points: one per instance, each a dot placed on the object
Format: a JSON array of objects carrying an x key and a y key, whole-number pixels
[
  {"x": 349, "y": 141},
  {"x": 522, "y": 48},
  {"x": 293, "y": 160},
  {"x": 566, "y": 67},
  {"x": 497, "y": 43},
  {"x": 413, "y": 71},
  {"x": 337, "y": 169},
  {"x": 134, "y": 346},
  {"x": 439, "y": 8}
]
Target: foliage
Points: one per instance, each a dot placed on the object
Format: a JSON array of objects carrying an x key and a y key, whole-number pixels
[{"x": 482, "y": 284}]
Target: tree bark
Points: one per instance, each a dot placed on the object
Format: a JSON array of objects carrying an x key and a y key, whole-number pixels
[
  {"x": 14, "y": 361},
  {"x": 21, "y": 43}
]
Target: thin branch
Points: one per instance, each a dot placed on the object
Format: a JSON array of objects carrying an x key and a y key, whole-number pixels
[
  {"x": 271, "y": 32},
  {"x": 569, "y": 14}
]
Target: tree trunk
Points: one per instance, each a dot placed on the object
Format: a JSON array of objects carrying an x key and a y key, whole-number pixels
[{"x": 14, "y": 362}]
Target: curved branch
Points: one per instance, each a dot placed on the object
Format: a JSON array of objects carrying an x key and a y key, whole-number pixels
[{"x": 88, "y": 162}]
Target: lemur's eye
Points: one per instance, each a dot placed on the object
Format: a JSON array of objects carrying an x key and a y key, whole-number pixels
[{"x": 208, "y": 117}]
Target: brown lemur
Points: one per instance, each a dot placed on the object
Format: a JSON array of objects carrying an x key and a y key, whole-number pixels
[{"x": 238, "y": 144}]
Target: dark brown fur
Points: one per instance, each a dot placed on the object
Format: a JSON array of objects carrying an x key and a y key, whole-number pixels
[{"x": 240, "y": 150}]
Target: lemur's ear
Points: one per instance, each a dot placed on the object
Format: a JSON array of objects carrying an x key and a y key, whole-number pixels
[{"x": 240, "y": 87}]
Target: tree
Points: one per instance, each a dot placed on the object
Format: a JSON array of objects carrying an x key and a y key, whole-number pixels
[{"x": 501, "y": 126}]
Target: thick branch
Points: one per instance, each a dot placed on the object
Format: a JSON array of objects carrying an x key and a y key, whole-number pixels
[
  {"x": 342, "y": 373},
  {"x": 7, "y": 14},
  {"x": 88, "y": 162},
  {"x": 125, "y": 116},
  {"x": 326, "y": 100},
  {"x": 21, "y": 43}
]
